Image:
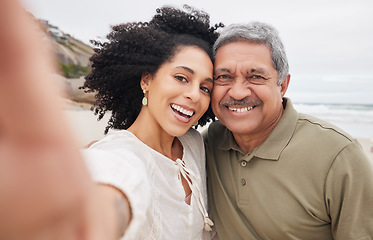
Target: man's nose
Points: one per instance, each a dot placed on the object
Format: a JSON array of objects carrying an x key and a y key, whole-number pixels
[{"x": 239, "y": 90}]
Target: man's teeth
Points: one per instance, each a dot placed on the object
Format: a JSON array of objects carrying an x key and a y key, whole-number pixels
[
  {"x": 182, "y": 110},
  {"x": 245, "y": 109}
]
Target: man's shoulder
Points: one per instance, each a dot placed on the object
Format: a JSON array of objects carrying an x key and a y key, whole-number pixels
[
  {"x": 215, "y": 129},
  {"x": 324, "y": 127},
  {"x": 314, "y": 130},
  {"x": 328, "y": 138},
  {"x": 216, "y": 126}
]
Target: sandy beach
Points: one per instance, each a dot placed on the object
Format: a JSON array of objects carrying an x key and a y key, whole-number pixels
[
  {"x": 87, "y": 128},
  {"x": 84, "y": 123}
]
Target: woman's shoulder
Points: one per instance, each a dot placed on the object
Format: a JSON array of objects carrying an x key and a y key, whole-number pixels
[
  {"x": 113, "y": 157},
  {"x": 192, "y": 140},
  {"x": 192, "y": 135},
  {"x": 122, "y": 144},
  {"x": 116, "y": 139},
  {"x": 193, "y": 147}
]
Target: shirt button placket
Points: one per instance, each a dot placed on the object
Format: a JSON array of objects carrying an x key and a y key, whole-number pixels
[
  {"x": 243, "y": 182},
  {"x": 243, "y": 164}
]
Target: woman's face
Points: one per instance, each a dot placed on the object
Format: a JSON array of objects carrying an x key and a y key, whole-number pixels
[{"x": 179, "y": 92}]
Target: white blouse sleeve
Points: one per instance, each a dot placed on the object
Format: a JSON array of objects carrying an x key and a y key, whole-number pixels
[{"x": 127, "y": 175}]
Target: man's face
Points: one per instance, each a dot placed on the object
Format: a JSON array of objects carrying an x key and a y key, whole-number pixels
[{"x": 246, "y": 97}]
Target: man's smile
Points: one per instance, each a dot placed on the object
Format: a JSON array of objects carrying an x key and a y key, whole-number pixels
[{"x": 241, "y": 109}]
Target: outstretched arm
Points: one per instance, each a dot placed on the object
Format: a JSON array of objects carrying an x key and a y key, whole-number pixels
[
  {"x": 45, "y": 189},
  {"x": 42, "y": 177}
]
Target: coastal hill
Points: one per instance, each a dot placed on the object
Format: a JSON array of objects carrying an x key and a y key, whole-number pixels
[
  {"x": 68, "y": 50},
  {"x": 72, "y": 57}
]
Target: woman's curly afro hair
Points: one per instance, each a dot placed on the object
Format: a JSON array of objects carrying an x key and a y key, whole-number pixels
[{"x": 142, "y": 47}]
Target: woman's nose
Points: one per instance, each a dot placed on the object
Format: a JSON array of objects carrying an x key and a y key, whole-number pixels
[{"x": 193, "y": 93}]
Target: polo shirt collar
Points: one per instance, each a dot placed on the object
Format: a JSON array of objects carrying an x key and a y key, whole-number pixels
[
  {"x": 228, "y": 143},
  {"x": 280, "y": 135},
  {"x": 275, "y": 143}
]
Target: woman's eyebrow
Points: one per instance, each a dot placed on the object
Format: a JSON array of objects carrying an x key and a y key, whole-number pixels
[
  {"x": 186, "y": 68},
  {"x": 192, "y": 72},
  {"x": 209, "y": 80}
]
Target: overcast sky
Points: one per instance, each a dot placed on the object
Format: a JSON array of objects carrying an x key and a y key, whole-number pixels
[{"x": 327, "y": 41}]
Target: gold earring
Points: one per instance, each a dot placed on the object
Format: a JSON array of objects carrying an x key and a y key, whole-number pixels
[{"x": 144, "y": 99}]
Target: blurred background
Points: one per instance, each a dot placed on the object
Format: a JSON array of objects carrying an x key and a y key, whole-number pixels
[{"x": 328, "y": 43}]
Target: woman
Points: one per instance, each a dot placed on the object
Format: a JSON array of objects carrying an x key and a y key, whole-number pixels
[
  {"x": 156, "y": 79},
  {"x": 46, "y": 192}
]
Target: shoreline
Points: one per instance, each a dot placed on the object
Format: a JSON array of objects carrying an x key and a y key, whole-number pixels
[{"x": 86, "y": 127}]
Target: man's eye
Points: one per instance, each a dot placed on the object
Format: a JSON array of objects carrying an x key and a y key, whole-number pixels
[
  {"x": 257, "y": 79},
  {"x": 223, "y": 80},
  {"x": 222, "y": 77}
]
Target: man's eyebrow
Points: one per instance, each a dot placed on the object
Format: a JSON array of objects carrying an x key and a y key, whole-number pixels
[
  {"x": 186, "y": 68},
  {"x": 222, "y": 70},
  {"x": 258, "y": 70}
]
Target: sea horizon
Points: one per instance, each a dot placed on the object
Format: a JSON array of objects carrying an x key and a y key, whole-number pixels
[{"x": 355, "y": 119}]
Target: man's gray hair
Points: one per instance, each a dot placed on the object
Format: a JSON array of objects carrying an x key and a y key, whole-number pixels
[{"x": 261, "y": 33}]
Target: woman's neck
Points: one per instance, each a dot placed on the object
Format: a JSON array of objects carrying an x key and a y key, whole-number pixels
[{"x": 150, "y": 132}]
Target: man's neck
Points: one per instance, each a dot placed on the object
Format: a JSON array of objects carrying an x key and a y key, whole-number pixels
[{"x": 249, "y": 141}]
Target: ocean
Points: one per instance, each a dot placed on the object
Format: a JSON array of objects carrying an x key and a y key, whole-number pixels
[
  {"x": 355, "y": 119},
  {"x": 345, "y": 100}
]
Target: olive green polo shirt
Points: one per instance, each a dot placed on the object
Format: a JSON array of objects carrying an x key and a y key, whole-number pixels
[{"x": 308, "y": 180}]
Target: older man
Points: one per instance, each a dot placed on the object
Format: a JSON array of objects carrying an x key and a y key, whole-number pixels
[{"x": 275, "y": 173}]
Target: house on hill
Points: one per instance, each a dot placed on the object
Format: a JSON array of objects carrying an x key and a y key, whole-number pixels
[{"x": 54, "y": 31}]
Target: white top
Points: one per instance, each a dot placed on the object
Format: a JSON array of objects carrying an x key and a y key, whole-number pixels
[{"x": 153, "y": 185}]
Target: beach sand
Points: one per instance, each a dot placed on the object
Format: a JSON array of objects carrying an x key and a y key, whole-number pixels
[
  {"x": 84, "y": 123},
  {"x": 86, "y": 127}
]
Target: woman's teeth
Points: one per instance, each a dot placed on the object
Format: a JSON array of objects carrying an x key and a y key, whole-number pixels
[{"x": 182, "y": 110}]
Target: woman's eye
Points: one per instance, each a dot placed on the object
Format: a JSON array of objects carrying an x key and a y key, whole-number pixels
[
  {"x": 181, "y": 78},
  {"x": 206, "y": 89}
]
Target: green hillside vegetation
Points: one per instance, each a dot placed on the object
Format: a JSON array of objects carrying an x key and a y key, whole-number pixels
[
  {"x": 72, "y": 55},
  {"x": 73, "y": 70}
]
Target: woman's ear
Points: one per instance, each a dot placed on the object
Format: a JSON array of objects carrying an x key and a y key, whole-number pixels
[{"x": 145, "y": 81}]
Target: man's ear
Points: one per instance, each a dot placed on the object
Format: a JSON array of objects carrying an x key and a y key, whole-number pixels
[
  {"x": 284, "y": 85},
  {"x": 145, "y": 81}
]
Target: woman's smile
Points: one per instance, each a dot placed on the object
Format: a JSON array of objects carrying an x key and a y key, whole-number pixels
[{"x": 182, "y": 113}]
